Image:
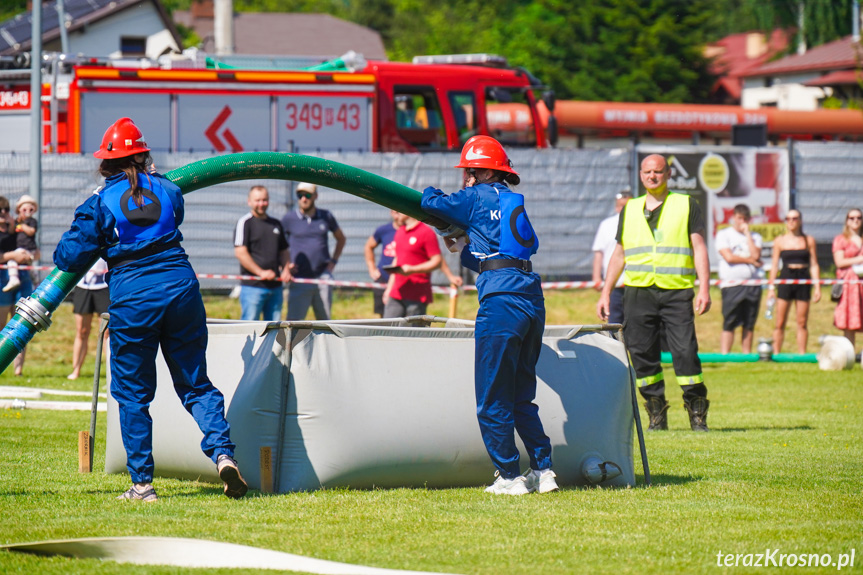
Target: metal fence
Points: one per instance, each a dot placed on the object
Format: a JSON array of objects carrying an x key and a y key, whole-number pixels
[
  {"x": 828, "y": 181},
  {"x": 569, "y": 192}
]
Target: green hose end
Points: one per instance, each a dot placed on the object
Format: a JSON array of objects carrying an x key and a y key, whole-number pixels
[
  {"x": 795, "y": 358},
  {"x": 718, "y": 357}
]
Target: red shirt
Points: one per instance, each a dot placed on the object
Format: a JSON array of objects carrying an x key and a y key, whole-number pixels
[{"x": 414, "y": 246}]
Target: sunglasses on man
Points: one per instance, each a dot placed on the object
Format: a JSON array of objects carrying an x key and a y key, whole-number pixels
[{"x": 302, "y": 195}]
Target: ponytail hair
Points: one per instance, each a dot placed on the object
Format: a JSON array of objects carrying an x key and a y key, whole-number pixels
[
  {"x": 131, "y": 168},
  {"x": 510, "y": 178},
  {"x": 505, "y": 177}
]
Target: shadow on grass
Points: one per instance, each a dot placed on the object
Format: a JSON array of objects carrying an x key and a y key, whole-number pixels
[
  {"x": 760, "y": 428},
  {"x": 659, "y": 479}
]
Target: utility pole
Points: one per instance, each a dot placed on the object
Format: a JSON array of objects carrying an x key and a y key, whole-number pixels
[
  {"x": 64, "y": 34},
  {"x": 36, "y": 109},
  {"x": 801, "y": 31}
]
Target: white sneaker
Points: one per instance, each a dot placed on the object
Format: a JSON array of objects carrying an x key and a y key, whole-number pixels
[
  {"x": 501, "y": 486},
  {"x": 13, "y": 284},
  {"x": 542, "y": 481}
]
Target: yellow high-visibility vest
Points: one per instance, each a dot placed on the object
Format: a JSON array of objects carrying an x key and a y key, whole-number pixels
[{"x": 664, "y": 259}]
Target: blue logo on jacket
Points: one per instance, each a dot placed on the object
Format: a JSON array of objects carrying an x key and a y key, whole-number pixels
[{"x": 517, "y": 238}]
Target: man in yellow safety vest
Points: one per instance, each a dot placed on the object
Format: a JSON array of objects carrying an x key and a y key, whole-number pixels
[{"x": 661, "y": 250}]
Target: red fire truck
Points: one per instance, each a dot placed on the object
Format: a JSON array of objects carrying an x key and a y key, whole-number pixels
[{"x": 383, "y": 106}]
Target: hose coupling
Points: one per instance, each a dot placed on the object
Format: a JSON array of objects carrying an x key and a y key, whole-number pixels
[{"x": 34, "y": 312}]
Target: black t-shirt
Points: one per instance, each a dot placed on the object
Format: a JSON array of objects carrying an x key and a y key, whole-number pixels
[
  {"x": 696, "y": 219},
  {"x": 25, "y": 241},
  {"x": 8, "y": 239},
  {"x": 265, "y": 239}
]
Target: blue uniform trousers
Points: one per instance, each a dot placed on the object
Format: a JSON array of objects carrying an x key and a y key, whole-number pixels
[
  {"x": 508, "y": 341},
  {"x": 170, "y": 315}
]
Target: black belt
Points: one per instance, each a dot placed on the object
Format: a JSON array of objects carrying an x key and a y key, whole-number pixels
[
  {"x": 498, "y": 264},
  {"x": 141, "y": 254}
]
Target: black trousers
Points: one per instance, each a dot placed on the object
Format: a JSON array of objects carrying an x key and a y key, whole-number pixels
[{"x": 645, "y": 310}]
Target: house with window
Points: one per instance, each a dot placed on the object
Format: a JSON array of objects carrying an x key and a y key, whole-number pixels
[
  {"x": 829, "y": 74},
  {"x": 735, "y": 55},
  {"x": 96, "y": 28}
]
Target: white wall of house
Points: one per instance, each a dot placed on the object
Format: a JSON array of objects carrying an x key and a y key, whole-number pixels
[
  {"x": 786, "y": 93},
  {"x": 102, "y": 38}
]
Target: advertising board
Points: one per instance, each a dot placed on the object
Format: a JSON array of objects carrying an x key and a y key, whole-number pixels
[{"x": 719, "y": 178}]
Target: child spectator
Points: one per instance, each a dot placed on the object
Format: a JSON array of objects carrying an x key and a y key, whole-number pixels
[{"x": 25, "y": 237}]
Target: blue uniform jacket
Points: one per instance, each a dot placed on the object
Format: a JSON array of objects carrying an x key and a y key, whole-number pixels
[
  {"x": 498, "y": 227},
  {"x": 122, "y": 234}
]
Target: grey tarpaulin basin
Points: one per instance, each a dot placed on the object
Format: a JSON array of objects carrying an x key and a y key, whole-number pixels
[{"x": 385, "y": 403}]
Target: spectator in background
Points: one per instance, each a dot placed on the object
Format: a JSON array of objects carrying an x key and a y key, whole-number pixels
[
  {"x": 10, "y": 253},
  {"x": 261, "y": 248},
  {"x": 89, "y": 296},
  {"x": 740, "y": 251},
  {"x": 796, "y": 251},
  {"x": 383, "y": 236},
  {"x": 409, "y": 289},
  {"x": 26, "y": 227},
  {"x": 307, "y": 229},
  {"x": 659, "y": 290},
  {"x": 848, "y": 257},
  {"x": 603, "y": 247}
]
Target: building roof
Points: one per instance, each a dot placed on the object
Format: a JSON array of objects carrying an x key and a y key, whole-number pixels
[
  {"x": 840, "y": 54},
  {"x": 290, "y": 33},
  {"x": 15, "y": 33},
  {"x": 837, "y": 78},
  {"x": 737, "y": 54}
]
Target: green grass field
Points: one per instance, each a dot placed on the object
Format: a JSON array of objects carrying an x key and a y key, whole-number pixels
[{"x": 780, "y": 469}]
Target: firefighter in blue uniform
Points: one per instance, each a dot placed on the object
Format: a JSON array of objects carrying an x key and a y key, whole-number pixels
[
  {"x": 132, "y": 222},
  {"x": 511, "y": 316}
]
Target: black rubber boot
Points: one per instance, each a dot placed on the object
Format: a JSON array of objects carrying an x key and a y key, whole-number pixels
[
  {"x": 657, "y": 409},
  {"x": 697, "y": 410}
]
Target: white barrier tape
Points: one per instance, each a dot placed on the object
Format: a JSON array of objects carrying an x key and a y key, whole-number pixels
[
  {"x": 12, "y": 390},
  {"x": 51, "y": 405},
  {"x": 545, "y": 285},
  {"x": 198, "y": 553},
  {"x": 724, "y": 283},
  {"x": 5, "y": 267},
  {"x": 447, "y": 290}
]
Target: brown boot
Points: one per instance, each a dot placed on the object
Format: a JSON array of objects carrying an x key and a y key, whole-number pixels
[
  {"x": 697, "y": 410},
  {"x": 657, "y": 409}
]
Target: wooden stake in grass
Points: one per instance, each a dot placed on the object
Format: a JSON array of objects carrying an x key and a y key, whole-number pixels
[
  {"x": 453, "y": 300},
  {"x": 83, "y": 452},
  {"x": 266, "y": 470}
]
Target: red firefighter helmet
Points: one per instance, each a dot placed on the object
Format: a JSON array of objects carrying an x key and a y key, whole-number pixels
[
  {"x": 485, "y": 152},
  {"x": 122, "y": 139}
]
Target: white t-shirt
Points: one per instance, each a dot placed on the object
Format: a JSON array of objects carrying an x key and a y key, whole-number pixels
[
  {"x": 95, "y": 278},
  {"x": 731, "y": 239},
  {"x": 604, "y": 242}
]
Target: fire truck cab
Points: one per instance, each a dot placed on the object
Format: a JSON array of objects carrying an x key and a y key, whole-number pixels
[{"x": 438, "y": 102}]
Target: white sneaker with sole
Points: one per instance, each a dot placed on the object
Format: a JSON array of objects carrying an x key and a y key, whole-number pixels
[
  {"x": 515, "y": 486},
  {"x": 541, "y": 481},
  {"x": 140, "y": 492},
  {"x": 229, "y": 473}
]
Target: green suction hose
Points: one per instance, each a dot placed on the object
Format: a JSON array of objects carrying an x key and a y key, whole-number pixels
[
  {"x": 33, "y": 314},
  {"x": 284, "y": 166},
  {"x": 749, "y": 357}
]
